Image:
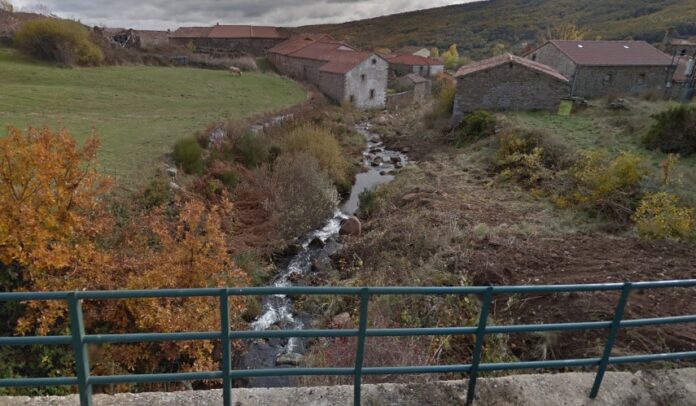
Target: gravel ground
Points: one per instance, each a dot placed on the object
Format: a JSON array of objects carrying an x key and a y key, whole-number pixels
[{"x": 668, "y": 387}]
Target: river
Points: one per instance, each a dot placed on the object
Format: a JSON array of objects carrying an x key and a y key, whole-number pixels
[{"x": 380, "y": 164}]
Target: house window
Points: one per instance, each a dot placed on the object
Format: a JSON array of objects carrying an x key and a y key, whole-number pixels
[
  {"x": 641, "y": 79},
  {"x": 372, "y": 93},
  {"x": 608, "y": 78},
  {"x": 352, "y": 98},
  {"x": 420, "y": 68},
  {"x": 362, "y": 77},
  {"x": 374, "y": 61},
  {"x": 534, "y": 57}
]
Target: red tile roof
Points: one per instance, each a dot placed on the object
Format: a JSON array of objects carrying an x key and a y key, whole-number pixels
[
  {"x": 496, "y": 61},
  {"x": 344, "y": 61},
  {"x": 191, "y": 32},
  {"x": 244, "y": 31},
  {"x": 228, "y": 31},
  {"x": 297, "y": 42},
  {"x": 413, "y": 60},
  {"x": 613, "y": 53}
]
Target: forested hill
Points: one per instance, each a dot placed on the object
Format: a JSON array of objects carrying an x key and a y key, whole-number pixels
[{"x": 476, "y": 27}]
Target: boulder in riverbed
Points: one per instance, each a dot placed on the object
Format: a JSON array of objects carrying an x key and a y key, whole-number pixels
[
  {"x": 351, "y": 226},
  {"x": 292, "y": 358}
]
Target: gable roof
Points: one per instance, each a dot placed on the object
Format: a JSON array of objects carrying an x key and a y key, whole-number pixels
[
  {"x": 413, "y": 60},
  {"x": 612, "y": 53},
  {"x": 409, "y": 50},
  {"x": 298, "y": 42},
  {"x": 191, "y": 32},
  {"x": 228, "y": 31},
  {"x": 344, "y": 61},
  {"x": 244, "y": 31},
  {"x": 496, "y": 61}
]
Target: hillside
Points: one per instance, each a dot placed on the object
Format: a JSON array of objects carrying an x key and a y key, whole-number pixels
[{"x": 475, "y": 27}]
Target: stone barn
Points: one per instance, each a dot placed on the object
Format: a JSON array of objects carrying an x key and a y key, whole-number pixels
[
  {"x": 425, "y": 66},
  {"x": 239, "y": 39},
  {"x": 602, "y": 68},
  {"x": 341, "y": 72},
  {"x": 508, "y": 82}
]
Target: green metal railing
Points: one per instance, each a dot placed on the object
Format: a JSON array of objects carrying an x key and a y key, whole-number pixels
[{"x": 79, "y": 340}]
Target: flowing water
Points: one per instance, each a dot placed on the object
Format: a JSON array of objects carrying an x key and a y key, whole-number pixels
[{"x": 278, "y": 312}]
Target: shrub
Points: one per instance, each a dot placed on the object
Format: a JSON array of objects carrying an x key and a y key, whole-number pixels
[
  {"x": 251, "y": 149},
  {"x": 674, "y": 131},
  {"x": 63, "y": 41},
  {"x": 444, "y": 91},
  {"x": 156, "y": 193},
  {"x": 367, "y": 202},
  {"x": 320, "y": 143},
  {"x": 303, "y": 197},
  {"x": 660, "y": 216},
  {"x": 188, "y": 155},
  {"x": 530, "y": 156},
  {"x": 475, "y": 126},
  {"x": 610, "y": 187},
  {"x": 229, "y": 178}
]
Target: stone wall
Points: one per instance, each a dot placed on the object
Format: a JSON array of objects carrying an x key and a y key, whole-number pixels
[
  {"x": 333, "y": 85},
  {"x": 551, "y": 56},
  {"x": 508, "y": 87},
  {"x": 248, "y": 46},
  {"x": 366, "y": 84},
  {"x": 600, "y": 81}
]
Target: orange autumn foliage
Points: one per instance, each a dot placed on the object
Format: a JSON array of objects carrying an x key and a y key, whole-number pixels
[
  {"x": 53, "y": 224},
  {"x": 189, "y": 251},
  {"x": 50, "y": 201}
]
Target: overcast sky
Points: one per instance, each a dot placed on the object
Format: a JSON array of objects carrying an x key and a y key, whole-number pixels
[{"x": 163, "y": 14}]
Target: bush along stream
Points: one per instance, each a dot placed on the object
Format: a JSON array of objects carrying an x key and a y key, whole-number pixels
[{"x": 313, "y": 255}]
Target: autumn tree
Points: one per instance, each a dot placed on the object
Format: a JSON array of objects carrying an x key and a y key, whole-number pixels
[
  {"x": 160, "y": 251},
  {"x": 451, "y": 57},
  {"x": 52, "y": 205},
  {"x": 434, "y": 52},
  {"x": 565, "y": 32}
]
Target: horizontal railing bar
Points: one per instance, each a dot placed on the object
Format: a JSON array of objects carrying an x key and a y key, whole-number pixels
[
  {"x": 548, "y": 364},
  {"x": 35, "y": 340},
  {"x": 255, "y": 373},
  {"x": 432, "y": 369},
  {"x": 670, "y": 356},
  {"x": 309, "y": 290},
  {"x": 54, "y": 381},
  {"x": 141, "y": 378},
  {"x": 394, "y": 332},
  {"x": 149, "y": 337}
]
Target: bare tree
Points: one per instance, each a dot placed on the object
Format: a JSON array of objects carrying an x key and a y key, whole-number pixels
[{"x": 6, "y": 5}]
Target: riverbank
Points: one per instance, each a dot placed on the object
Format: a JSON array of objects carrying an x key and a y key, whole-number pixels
[{"x": 664, "y": 387}]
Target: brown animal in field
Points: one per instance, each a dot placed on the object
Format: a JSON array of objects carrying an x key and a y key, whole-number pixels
[{"x": 235, "y": 71}]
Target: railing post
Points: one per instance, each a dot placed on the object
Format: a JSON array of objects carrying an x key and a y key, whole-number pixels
[
  {"x": 480, "y": 338},
  {"x": 226, "y": 362},
  {"x": 360, "y": 351},
  {"x": 611, "y": 338},
  {"x": 77, "y": 330}
]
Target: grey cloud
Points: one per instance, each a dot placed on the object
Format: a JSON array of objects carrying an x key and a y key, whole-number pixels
[{"x": 163, "y": 14}]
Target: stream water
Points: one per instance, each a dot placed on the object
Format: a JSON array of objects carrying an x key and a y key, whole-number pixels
[{"x": 278, "y": 311}]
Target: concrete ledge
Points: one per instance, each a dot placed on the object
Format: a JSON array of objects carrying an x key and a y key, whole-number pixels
[{"x": 662, "y": 387}]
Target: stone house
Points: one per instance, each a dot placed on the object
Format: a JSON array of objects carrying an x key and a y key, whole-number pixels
[
  {"x": 400, "y": 65},
  {"x": 241, "y": 39},
  {"x": 602, "y": 68},
  {"x": 341, "y": 72},
  {"x": 508, "y": 82},
  {"x": 413, "y": 50}
]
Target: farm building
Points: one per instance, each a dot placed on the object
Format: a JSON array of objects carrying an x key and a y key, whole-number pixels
[
  {"x": 602, "y": 68},
  {"x": 413, "y": 50},
  {"x": 508, "y": 82},
  {"x": 339, "y": 71},
  {"x": 242, "y": 39},
  {"x": 140, "y": 39},
  {"x": 401, "y": 65}
]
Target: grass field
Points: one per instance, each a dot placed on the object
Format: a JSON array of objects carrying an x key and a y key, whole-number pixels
[
  {"x": 613, "y": 131},
  {"x": 138, "y": 111}
]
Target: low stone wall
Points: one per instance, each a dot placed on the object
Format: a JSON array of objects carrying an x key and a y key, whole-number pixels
[
  {"x": 676, "y": 387},
  {"x": 402, "y": 99}
]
